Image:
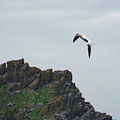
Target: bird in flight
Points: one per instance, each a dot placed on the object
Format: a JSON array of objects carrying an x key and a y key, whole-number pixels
[{"x": 89, "y": 42}]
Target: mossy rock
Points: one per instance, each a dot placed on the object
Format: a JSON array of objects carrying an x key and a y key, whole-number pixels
[
  {"x": 34, "y": 70},
  {"x": 46, "y": 76},
  {"x": 15, "y": 86},
  {"x": 34, "y": 84},
  {"x": 52, "y": 106},
  {"x": 20, "y": 74},
  {"x": 4, "y": 79},
  {"x": 2, "y": 69}
]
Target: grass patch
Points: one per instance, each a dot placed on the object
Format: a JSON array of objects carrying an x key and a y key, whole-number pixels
[
  {"x": 23, "y": 102},
  {"x": 43, "y": 97}
]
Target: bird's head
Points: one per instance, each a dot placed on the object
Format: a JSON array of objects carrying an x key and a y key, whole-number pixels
[{"x": 77, "y": 34}]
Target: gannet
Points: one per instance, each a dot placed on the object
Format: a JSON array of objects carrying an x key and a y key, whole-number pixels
[{"x": 83, "y": 37}]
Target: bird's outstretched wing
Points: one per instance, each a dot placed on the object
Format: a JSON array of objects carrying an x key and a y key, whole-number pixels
[
  {"x": 84, "y": 39},
  {"x": 89, "y": 50},
  {"x": 75, "y": 38}
]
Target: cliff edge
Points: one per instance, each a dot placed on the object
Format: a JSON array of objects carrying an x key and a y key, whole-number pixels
[{"x": 29, "y": 93}]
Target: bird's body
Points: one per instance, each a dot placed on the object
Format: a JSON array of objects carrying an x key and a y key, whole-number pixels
[{"x": 89, "y": 42}]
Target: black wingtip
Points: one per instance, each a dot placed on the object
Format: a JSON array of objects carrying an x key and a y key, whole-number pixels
[
  {"x": 75, "y": 38},
  {"x": 89, "y": 55},
  {"x": 89, "y": 51}
]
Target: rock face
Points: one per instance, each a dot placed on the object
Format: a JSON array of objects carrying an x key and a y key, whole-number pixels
[{"x": 28, "y": 93}]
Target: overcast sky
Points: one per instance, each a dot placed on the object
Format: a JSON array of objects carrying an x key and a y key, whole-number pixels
[{"x": 41, "y": 31}]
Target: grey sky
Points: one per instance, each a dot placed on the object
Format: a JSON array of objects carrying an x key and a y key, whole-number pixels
[{"x": 42, "y": 32}]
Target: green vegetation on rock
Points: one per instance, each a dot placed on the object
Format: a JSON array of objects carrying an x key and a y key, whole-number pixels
[
  {"x": 26, "y": 103},
  {"x": 28, "y": 93}
]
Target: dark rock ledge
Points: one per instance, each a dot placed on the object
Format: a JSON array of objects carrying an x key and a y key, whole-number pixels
[{"x": 28, "y": 93}]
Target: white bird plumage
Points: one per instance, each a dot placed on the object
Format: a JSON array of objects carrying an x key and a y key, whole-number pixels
[{"x": 89, "y": 42}]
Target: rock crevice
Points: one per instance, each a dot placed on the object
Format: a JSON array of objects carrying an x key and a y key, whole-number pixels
[{"x": 44, "y": 94}]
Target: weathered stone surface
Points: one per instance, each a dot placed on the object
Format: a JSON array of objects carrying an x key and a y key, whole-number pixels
[
  {"x": 34, "y": 84},
  {"x": 34, "y": 71},
  {"x": 88, "y": 115},
  {"x": 25, "y": 67},
  {"x": 64, "y": 102},
  {"x": 102, "y": 116},
  {"x": 20, "y": 74},
  {"x": 46, "y": 76},
  {"x": 52, "y": 106},
  {"x": 3, "y": 79},
  {"x": 26, "y": 81},
  {"x": 2, "y": 69},
  {"x": 15, "y": 86},
  {"x": 14, "y": 64}
]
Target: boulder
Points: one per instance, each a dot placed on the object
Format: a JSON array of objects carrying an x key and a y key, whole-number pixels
[
  {"x": 52, "y": 106},
  {"x": 46, "y": 76},
  {"x": 33, "y": 71},
  {"x": 19, "y": 63},
  {"x": 56, "y": 75},
  {"x": 26, "y": 81},
  {"x": 103, "y": 116},
  {"x": 4, "y": 79},
  {"x": 15, "y": 86},
  {"x": 88, "y": 115},
  {"x": 68, "y": 76},
  {"x": 14, "y": 64},
  {"x": 34, "y": 84},
  {"x": 12, "y": 76},
  {"x": 25, "y": 67},
  {"x": 20, "y": 74}
]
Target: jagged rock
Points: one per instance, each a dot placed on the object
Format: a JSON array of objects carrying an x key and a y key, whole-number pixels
[
  {"x": 2, "y": 69},
  {"x": 33, "y": 71},
  {"x": 77, "y": 111},
  {"x": 20, "y": 75},
  {"x": 34, "y": 84},
  {"x": 25, "y": 67},
  {"x": 14, "y": 64},
  {"x": 12, "y": 76},
  {"x": 3, "y": 79},
  {"x": 15, "y": 86},
  {"x": 88, "y": 115},
  {"x": 102, "y": 116},
  {"x": 48, "y": 94},
  {"x": 46, "y": 76},
  {"x": 52, "y": 106}
]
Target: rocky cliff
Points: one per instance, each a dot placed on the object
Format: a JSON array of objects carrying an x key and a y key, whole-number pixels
[{"x": 28, "y": 93}]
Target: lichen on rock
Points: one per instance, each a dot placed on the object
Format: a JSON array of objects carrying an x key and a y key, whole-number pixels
[{"x": 29, "y": 93}]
